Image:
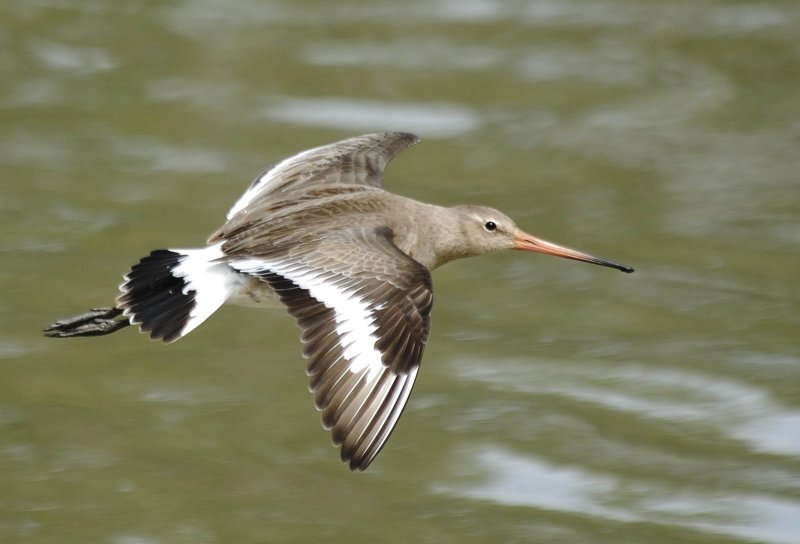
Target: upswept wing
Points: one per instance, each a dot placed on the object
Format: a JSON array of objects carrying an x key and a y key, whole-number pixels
[{"x": 355, "y": 161}]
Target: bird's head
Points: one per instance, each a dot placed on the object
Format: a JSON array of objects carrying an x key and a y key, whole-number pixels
[{"x": 485, "y": 230}]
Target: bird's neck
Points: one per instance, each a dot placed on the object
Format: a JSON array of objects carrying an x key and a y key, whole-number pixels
[{"x": 429, "y": 234}]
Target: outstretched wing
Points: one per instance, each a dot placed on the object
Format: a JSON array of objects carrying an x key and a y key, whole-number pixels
[
  {"x": 360, "y": 161},
  {"x": 364, "y": 310}
]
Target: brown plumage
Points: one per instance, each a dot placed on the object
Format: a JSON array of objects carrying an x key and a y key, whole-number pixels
[{"x": 350, "y": 261}]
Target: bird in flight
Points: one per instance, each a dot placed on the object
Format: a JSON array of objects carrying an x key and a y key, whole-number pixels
[{"x": 350, "y": 261}]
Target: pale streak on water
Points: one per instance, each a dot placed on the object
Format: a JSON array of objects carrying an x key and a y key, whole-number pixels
[
  {"x": 737, "y": 411},
  {"x": 731, "y": 409},
  {"x": 517, "y": 480},
  {"x": 657, "y": 407},
  {"x": 432, "y": 120}
]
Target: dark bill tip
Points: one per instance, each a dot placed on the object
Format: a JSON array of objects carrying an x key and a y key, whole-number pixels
[{"x": 528, "y": 242}]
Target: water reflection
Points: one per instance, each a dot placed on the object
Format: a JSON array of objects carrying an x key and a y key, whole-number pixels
[
  {"x": 78, "y": 60},
  {"x": 430, "y": 120},
  {"x": 608, "y": 62},
  {"x": 725, "y": 407},
  {"x": 512, "y": 479},
  {"x": 152, "y": 154},
  {"x": 605, "y": 14}
]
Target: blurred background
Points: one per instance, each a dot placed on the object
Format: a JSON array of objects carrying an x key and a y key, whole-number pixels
[{"x": 558, "y": 402}]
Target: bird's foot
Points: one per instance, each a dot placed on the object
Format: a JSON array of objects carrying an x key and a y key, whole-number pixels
[{"x": 95, "y": 322}]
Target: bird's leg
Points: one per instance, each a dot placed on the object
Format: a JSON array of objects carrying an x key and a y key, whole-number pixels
[{"x": 95, "y": 322}]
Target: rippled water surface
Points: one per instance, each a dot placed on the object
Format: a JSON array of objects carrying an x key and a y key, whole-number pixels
[{"x": 558, "y": 402}]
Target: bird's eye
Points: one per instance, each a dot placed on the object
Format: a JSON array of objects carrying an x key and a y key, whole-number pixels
[{"x": 490, "y": 226}]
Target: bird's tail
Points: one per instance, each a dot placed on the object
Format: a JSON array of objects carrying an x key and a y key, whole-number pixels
[{"x": 167, "y": 294}]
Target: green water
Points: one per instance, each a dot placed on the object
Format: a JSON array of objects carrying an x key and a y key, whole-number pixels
[{"x": 558, "y": 402}]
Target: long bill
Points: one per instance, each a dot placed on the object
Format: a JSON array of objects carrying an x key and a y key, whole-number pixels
[{"x": 527, "y": 242}]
